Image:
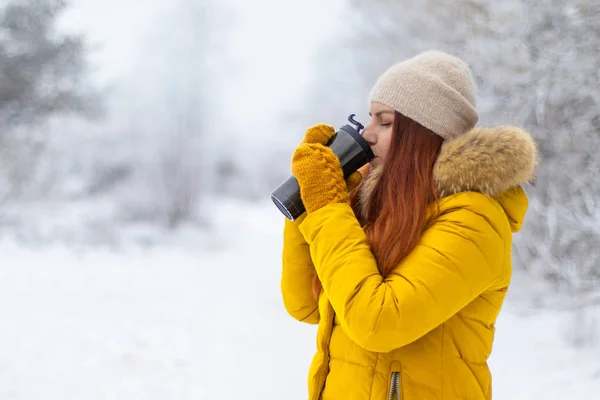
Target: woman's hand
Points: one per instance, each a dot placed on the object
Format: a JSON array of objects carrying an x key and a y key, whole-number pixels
[{"x": 318, "y": 171}]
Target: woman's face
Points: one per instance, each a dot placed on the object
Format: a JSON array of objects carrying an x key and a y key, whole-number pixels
[{"x": 378, "y": 132}]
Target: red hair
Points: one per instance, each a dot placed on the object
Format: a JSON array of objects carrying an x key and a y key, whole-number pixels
[{"x": 395, "y": 217}]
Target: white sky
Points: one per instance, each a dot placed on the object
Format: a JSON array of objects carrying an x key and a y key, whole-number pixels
[{"x": 269, "y": 43}]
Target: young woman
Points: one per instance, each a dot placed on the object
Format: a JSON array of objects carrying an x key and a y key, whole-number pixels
[{"x": 406, "y": 274}]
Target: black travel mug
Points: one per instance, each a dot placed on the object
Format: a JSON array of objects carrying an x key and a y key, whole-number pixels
[{"x": 352, "y": 150}]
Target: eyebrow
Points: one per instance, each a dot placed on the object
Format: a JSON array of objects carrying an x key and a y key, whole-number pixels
[{"x": 378, "y": 113}]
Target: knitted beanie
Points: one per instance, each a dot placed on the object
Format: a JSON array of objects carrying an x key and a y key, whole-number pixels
[{"x": 434, "y": 89}]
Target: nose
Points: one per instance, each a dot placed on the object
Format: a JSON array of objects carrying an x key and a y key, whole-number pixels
[{"x": 369, "y": 136}]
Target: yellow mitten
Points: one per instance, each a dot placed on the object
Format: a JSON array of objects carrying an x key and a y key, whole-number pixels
[
  {"x": 356, "y": 177},
  {"x": 318, "y": 171}
]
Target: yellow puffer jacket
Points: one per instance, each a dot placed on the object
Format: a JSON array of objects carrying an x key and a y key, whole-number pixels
[{"x": 426, "y": 330}]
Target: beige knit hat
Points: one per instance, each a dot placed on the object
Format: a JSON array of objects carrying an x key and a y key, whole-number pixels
[{"x": 434, "y": 89}]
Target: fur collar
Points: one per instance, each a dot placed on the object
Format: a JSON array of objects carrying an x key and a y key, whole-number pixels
[{"x": 486, "y": 160}]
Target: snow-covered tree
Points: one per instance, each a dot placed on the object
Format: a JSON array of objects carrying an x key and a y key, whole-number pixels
[
  {"x": 173, "y": 115},
  {"x": 42, "y": 73}
]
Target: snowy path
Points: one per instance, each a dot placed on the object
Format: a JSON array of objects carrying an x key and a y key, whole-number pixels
[{"x": 184, "y": 323}]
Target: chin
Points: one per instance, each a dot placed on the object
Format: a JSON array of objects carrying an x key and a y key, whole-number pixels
[{"x": 376, "y": 162}]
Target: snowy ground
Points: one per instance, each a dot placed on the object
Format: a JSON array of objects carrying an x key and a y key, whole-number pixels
[{"x": 203, "y": 320}]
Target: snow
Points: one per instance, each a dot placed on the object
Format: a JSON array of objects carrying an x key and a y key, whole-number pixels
[{"x": 189, "y": 321}]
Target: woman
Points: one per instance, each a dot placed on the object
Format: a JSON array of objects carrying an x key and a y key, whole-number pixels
[{"x": 406, "y": 274}]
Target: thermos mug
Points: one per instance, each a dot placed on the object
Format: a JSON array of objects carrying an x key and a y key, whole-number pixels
[{"x": 351, "y": 149}]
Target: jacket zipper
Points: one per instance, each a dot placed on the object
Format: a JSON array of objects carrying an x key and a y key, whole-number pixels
[{"x": 395, "y": 386}]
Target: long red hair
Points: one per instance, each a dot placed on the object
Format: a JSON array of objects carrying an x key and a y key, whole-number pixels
[{"x": 397, "y": 206}]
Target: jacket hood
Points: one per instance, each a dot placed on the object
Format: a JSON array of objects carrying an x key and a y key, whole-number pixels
[{"x": 493, "y": 161}]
